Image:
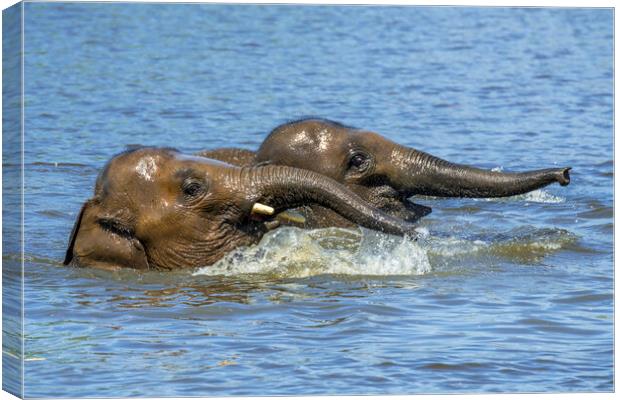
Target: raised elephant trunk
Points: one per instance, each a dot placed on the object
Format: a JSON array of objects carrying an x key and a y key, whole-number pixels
[
  {"x": 421, "y": 173},
  {"x": 285, "y": 187}
]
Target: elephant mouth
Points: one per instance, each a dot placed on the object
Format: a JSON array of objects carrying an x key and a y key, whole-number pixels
[
  {"x": 391, "y": 201},
  {"x": 416, "y": 211},
  {"x": 403, "y": 208}
]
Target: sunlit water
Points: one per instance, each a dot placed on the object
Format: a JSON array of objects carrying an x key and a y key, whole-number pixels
[{"x": 504, "y": 295}]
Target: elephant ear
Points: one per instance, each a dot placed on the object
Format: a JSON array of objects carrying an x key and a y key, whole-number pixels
[{"x": 102, "y": 241}]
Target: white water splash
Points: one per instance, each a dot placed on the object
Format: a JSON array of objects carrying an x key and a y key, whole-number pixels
[
  {"x": 296, "y": 253},
  {"x": 535, "y": 196},
  {"x": 541, "y": 196},
  {"x": 547, "y": 245},
  {"x": 526, "y": 244},
  {"x": 452, "y": 247}
]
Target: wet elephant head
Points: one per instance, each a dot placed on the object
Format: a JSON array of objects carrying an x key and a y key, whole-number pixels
[
  {"x": 156, "y": 208},
  {"x": 385, "y": 173}
]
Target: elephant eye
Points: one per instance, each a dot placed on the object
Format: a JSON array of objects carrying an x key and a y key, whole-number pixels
[
  {"x": 192, "y": 188},
  {"x": 359, "y": 161}
]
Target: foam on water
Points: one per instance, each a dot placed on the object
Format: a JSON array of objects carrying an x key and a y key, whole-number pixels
[
  {"x": 525, "y": 244},
  {"x": 541, "y": 196},
  {"x": 453, "y": 246},
  {"x": 535, "y": 196},
  {"x": 297, "y": 253}
]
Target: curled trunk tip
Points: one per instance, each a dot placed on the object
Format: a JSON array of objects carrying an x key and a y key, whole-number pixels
[{"x": 563, "y": 176}]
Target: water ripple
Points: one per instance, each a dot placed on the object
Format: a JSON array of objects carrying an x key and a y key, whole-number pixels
[{"x": 497, "y": 295}]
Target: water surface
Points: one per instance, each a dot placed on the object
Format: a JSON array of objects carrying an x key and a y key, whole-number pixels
[{"x": 507, "y": 295}]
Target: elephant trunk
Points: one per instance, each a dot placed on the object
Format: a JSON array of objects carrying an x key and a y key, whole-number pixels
[
  {"x": 286, "y": 187},
  {"x": 421, "y": 173}
]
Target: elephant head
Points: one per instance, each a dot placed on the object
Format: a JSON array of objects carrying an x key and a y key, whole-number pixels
[
  {"x": 155, "y": 208},
  {"x": 385, "y": 173}
]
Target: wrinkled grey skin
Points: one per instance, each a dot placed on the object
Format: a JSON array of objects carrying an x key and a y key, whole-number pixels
[
  {"x": 156, "y": 208},
  {"x": 380, "y": 171}
]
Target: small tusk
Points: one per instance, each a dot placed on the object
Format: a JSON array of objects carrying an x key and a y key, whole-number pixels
[
  {"x": 292, "y": 216},
  {"x": 259, "y": 208},
  {"x": 271, "y": 225}
]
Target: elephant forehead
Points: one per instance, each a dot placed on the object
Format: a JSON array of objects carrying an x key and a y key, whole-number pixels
[
  {"x": 155, "y": 167},
  {"x": 146, "y": 168},
  {"x": 323, "y": 139},
  {"x": 142, "y": 165},
  {"x": 315, "y": 140},
  {"x": 138, "y": 179}
]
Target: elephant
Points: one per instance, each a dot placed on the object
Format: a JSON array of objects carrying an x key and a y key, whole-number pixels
[
  {"x": 159, "y": 209},
  {"x": 382, "y": 172}
]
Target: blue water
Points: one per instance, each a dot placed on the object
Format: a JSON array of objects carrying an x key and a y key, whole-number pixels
[{"x": 510, "y": 295}]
